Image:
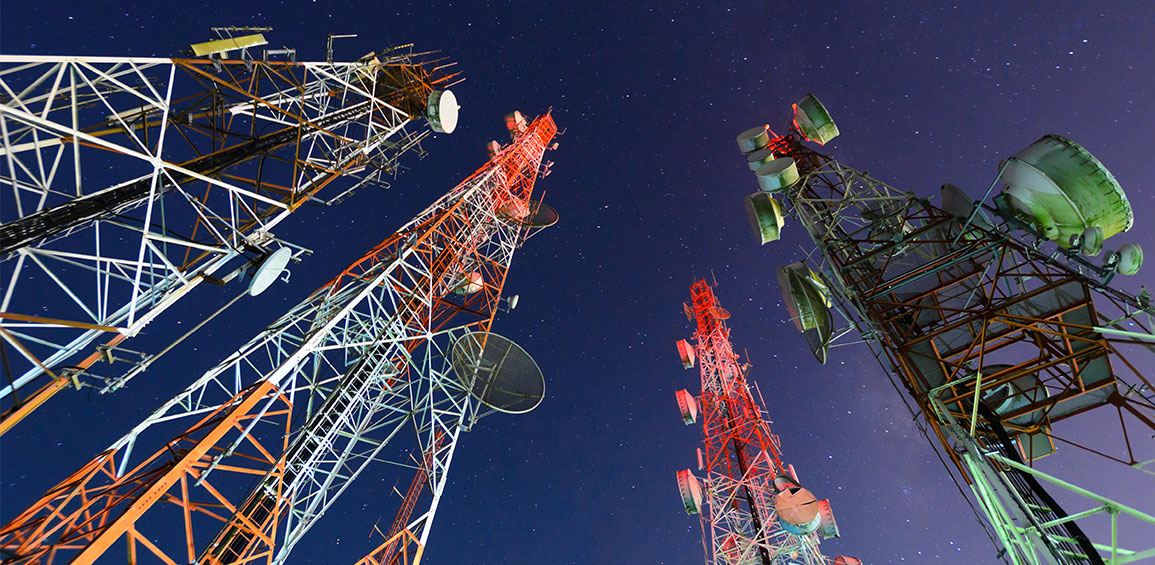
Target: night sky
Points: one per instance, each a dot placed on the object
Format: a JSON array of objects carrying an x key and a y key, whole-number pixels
[{"x": 649, "y": 185}]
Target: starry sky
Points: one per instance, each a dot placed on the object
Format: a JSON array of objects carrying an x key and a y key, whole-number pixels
[{"x": 649, "y": 185}]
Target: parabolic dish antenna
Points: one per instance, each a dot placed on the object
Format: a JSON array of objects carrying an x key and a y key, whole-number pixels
[
  {"x": 808, "y": 302},
  {"x": 530, "y": 214},
  {"x": 269, "y": 269},
  {"x": 691, "y": 491},
  {"x": 765, "y": 215},
  {"x": 721, "y": 313},
  {"x": 754, "y": 139},
  {"x": 758, "y": 158},
  {"x": 689, "y": 313},
  {"x": 497, "y": 372},
  {"x": 956, "y": 203},
  {"x": 441, "y": 111},
  {"x": 777, "y": 174},
  {"x": 1061, "y": 189},
  {"x": 814, "y": 121}
]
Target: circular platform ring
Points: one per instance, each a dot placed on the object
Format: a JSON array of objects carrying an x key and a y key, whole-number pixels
[{"x": 498, "y": 372}]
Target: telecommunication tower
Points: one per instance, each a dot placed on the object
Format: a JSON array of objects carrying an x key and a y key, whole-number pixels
[
  {"x": 131, "y": 181},
  {"x": 387, "y": 363},
  {"x": 758, "y": 511},
  {"x": 995, "y": 319}
]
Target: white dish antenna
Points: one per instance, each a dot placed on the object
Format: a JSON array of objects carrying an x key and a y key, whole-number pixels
[
  {"x": 765, "y": 215},
  {"x": 813, "y": 121},
  {"x": 530, "y": 213},
  {"x": 469, "y": 283},
  {"x": 1058, "y": 187},
  {"x": 827, "y": 526},
  {"x": 441, "y": 111},
  {"x": 497, "y": 372},
  {"x": 269, "y": 270},
  {"x": 688, "y": 406},
  {"x": 516, "y": 123},
  {"x": 797, "y": 511},
  {"x": 956, "y": 203},
  {"x": 754, "y": 139},
  {"x": 758, "y": 158},
  {"x": 686, "y": 354},
  {"x": 777, "y": 174},
  {"x": 808, "y": 301},
  {"x": 691, "y": 490},
  {"x": 1128, "y": 259}
]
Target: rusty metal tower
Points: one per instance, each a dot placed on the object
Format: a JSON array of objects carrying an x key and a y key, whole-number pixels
[
  {"x": 128, "y": 182},
  {"x": 758, "y": 511},
  {"x": 997, "y": 320},
  {"x": 382, "y": 367}
]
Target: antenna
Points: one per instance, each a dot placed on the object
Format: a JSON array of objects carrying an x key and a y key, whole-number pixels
[
  {"x": 754, "y": 516},
  {"x": 968, "y": 310}
]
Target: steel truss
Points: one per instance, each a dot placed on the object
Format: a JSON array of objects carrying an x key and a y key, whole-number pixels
[
  {"x": 960, "y": 310},
  {"x": 215, "y": 153},
  {"x": 742, "y": 457},
  {"x": 362, "y": 362}
]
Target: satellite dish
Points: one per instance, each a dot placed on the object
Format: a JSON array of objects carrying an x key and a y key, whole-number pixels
[
  {"x": 513, "y": 301},
  {"x": 686, "y": 354},
  {"x": 689, "y": 313},
  {"x": 497, "y": 372},
  {"x": 688, "y": 406},
  {"x": 1090, "y": 243},
  {"x": 797, "y": 511},
  {"x": 844, "y": 560},
  {"x": 758, "y": 158},
  {"x": 1061, "y": 189},
  {"x": 754, "y": 139},
  {"x": 441, "y": 111},
  {"x": 777, "y": 174},
  {"x": 827, "y": 525},
  {"x": 1130, "y": 259},
  {"x": 721, "y": 313},
  {"x": 516, "y": 123},
  {"x": 808, "y": 302},
  {"x": 956, "y": 203},
  {"x": 270, "y": 268},
  {"x": 813, "y": 121},
  {"x": 492, "y": 148},
  {"x": 765, "y": 215},
  {"x": 530, "y": 213},
  {"x": 691, "y": 491}
]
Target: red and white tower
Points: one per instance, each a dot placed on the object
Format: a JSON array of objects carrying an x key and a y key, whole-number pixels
[
  {"x": 386, "y": 364},
  {"x": 758, "y": 511}
]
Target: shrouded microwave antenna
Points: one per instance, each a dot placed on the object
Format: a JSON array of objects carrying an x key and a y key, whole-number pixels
[
  {"x": 813, "y": 121},
  {"x": 1058, "y": 187},
  {"x": 497, "y": 372},
  {"x": 808, "y": 302}
]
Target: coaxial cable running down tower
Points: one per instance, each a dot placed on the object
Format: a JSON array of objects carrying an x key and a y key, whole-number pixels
[
  {"x": 387, "y": 363},
  {"x": 128, "y": 182},
  {"x": 998, "y": 321},
  {"x": 758, "y": 511}
]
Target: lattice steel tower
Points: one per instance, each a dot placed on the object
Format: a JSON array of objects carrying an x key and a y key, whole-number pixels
[
  {"x": 130, "y": 181},
  {"x": 996, "y": 320},
  {"x": 387, "y": 363},
  {"x": 758, "y": 511}
]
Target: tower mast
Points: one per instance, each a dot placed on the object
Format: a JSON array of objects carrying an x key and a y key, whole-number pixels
[
  {"x": 996, "y": 320},
  {"x": 758, "y": 511},
  {"x": 393, "y": 353},
  {"x": 131, "y": 181}
]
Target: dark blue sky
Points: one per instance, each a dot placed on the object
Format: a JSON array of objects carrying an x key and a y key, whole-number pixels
[{"x": 649, "y": 185}]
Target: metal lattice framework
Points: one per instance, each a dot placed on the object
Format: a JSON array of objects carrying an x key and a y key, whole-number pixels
[
  {"x": 361, "y": 362},
  {"x": 997, "y": 340},
  {"x": 741, "y": 456},
  {"x": 128, "y": 182}
]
